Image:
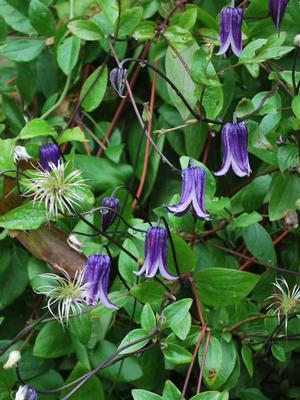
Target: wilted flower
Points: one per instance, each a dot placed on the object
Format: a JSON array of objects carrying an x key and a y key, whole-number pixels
[
  {"x": 66, "y": 295},
  {"x": 74, "y": 243},
  {"x": 277, "y": 10},
  {"x": 13, "y": 359},
  {"x": 156, "y": 254},
  {"x": 108, "y": 216},
  {"x": 49, "y": 154},
  {"x": 59, "y": 192},
  {"x": 20, "y": 153},
  {"x": 231, "y": 20},
  {"x": 96, "y": 279},
  {"x": 117, "y": 79},
  {"x": 285, "y": 301},
  {"x": 235, "y": 155},
  {"x": 192, "y": 194},
  {"x": 26, "y": 393}
]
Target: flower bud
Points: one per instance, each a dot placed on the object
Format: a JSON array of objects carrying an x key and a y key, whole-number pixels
[
  {"x": 117, "y": 79},
  {"x": 49, "y": 153},
  {"x": 109, "y": 216}
]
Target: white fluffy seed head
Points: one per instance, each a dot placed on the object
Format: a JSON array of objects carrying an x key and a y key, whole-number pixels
[
  {"x": 13, "y": 359},
  {"x": 20, "y": 153},
  {"x": 297, "y": 40}
]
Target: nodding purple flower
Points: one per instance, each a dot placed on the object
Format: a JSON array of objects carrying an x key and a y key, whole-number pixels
[
  {"x": 235, "y": 155},
  {"x": 96, "y": 279},
  {"x": 108, "y": 216},
  {"x": 117, "y": 79},
  {"x": 231, "y": 20},
  {"x": 277, "y": 10},
  {"x": 49, "y": 153},
  {"x": 192, "y": 194},
  {"x": 156, "y": 254},
  {"x": 26, "y": 393}
]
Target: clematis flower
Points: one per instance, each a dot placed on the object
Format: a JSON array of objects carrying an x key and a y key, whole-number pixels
[
  {"x": 235, "y": 155},
  {"x": 117, "y": 79},
  {"x": 96, "y": 278},
  {"x": 277, "y": 10},
  {"x": 193, "y": 193},
  {"x": 286, "y": 300},
  {"x": 20, "y": 153},
  {"x": 108, "y": 216},
  {"x": 231, "y": 20},
  {"x": 156, "y": 254},
  {"x": 49, "y": 153},
  {"x": 26, "y": 393}
]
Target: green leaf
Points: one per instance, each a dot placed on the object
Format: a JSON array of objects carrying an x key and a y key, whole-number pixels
[
  {"x": 85, "y": 29},
  {"x": 14, "y": 18},
  {"x": 67, "y": 54},
  {"x": 222, "y": 286},
  {"x": 41, "y": 18},
  {"x": 14, "y": 280},
  {"x": 285, "y": 191},
  {"x": 94, "y": 89},
  {"x": 171, "y": 392},
  {"x": 186, "y": 258},
  {"x": 91, "y": 390},
  {"x": 27, "y": 216},
  {"x": 22, "y": 50},
  {"x": 177, "y": 73},
  {"x": 6, "y": 153},
  {"x": 182, "y": 329},
  {"x": 132, "y": 336},
  {"x": 37, "y": 127},
  {"x": 145, "y": 31},
  {"x": 101, "y": 173},
  {"x": 139, "y": 394},
  {"x": 244, "y": 220},
  {"x": 148, "y": 320},
  {"x": 72, "y": 135},
  {"x": 148, "y": 292},
  {"x": 175, "y": 313},
  {"x": 259, "y": 243},
  {"x": 287, "y": 157},
  {"x": 81, "y": 327},
  {"x": 278, "y": 352},
  {"x": 52, "y": 341},
  {"x": 127, "y": 266},
  {"x": 247, "y": 358},
  {"x": 3, "y": 29},
  {"x": 130, "y": 371},
  {"x": 7, "y": 380},
  {"x": 177, "y": 354},
  {"x": 211, "y": 395},
  {"x": 129, "y": 20}
]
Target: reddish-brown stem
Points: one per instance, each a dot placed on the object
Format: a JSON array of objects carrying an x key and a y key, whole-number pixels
[
  {"x": 248, "y": 264},
  {"x": 198, "y": 305},
  {"x": 122, "y": 105},
  {"x": 147, "y": 149},
  {"x": 188, "y": 375},
  {"x": 250, "y": 319},
  {"x": 208, "y": 337},
  {"x": 207, "y": 149}
]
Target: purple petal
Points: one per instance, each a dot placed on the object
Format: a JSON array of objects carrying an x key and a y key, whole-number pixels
[
  {"x": 225, "y": 30},
  {"x": 187, "y": 186},
  {"x": 198, "y": 197},
  {"x": 277, "y": 10},
  {"x": 236, "y": 31},
  {"x": 226, "y": 132},
  {"x": 49, "y": 153},
  {"x": 238, "y": 143},
  {"x": 108, "y": 217}
]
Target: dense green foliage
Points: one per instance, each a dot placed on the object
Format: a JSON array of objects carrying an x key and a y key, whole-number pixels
[{"x": 212, "y": 327}]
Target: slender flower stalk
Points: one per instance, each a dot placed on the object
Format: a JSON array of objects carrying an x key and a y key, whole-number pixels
[
  {"x": 235, "y": 155},
  {"x": 156, "y": 254},
  {"x": 109, "y": 216},
  {"x": 277, "y": 10},
  {"x": 286, "y": 300},
  {"x": 96, "y": 279},
  {"x": 26, "y": 393},
  {"x": 65, "y": 295},
  {"x": 57, "y": 190},
  {"x": 49, "y": 153},
  {"x": 231, "y": 20},
  {"x": 193, "y": 193}
]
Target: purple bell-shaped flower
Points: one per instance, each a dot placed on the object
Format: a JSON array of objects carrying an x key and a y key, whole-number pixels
[
  {"x": 277, "y": 10},
  {"x": 192, "y": 194},
  {"x": 117, "y": 79},
  {"x": 231, "y": 20},
  {"x": 26, "y": 393},
  {"x": 49, "y": 153},
  {"x": 96, "y": 279},
  {"x": 109, "y": 216},
  {"x": 156, "y": 254},
  {"x": 235, "y": 154}
]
